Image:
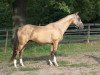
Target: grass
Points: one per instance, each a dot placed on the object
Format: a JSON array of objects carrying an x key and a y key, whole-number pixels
[
  {"x": 79, "y": 38},
  {"x": 77, "y": 48}
]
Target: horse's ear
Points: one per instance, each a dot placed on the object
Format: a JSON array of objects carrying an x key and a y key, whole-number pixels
[{"x": 77, "y": 13}]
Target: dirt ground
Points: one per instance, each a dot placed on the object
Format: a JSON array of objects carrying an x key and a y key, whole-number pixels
[{"x": 81, "y": 64}]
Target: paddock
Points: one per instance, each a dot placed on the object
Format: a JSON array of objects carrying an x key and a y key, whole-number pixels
[{"x": 73, "y": 58}]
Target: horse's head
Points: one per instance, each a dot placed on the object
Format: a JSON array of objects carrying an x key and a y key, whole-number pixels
[{"x": 77, "y": 21}]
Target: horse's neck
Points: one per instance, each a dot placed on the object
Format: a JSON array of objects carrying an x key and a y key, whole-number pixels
[{"x": 64, "y": 23}]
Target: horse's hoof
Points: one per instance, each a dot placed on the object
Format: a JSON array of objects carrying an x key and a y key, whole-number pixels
[
  {"x": 16, "y": 67},
  {"x": 55, "y": 64},
  {"x": 23, "y": 65},
  {"x": 50, "y": 63}
]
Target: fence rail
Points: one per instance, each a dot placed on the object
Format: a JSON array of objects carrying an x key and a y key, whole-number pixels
[{"x": 89, "y": 29}]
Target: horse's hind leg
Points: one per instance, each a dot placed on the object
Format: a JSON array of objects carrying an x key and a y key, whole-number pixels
[
  {"x": 20, "y": 47},
  {"x": 14, "y": 57},
  {"x": 20, "y": 56}
]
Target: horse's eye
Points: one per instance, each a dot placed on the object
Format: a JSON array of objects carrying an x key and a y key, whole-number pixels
[{"x": 79, "y": 19}]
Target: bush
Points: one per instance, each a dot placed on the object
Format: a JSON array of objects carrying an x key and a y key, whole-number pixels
[
  {"x": 5, "y": 14},
  {"x": 46, "y": 11}
]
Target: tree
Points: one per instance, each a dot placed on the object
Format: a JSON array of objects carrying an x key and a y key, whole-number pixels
[
  {"x": 45, "y": 11},
  {"x": 87, "y": 8},
  {"x": 5, "y": 14},
  {"x": 97, "y": 9},
  {"x": 19, "y": 12}
]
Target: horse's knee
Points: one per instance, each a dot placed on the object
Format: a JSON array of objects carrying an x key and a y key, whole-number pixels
[
  {"x": 53, "y": 53},
  {"x": 20, "y": 54}
]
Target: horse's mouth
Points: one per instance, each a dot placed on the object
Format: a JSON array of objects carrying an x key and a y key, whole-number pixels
[{"x": 81, "y": 26}]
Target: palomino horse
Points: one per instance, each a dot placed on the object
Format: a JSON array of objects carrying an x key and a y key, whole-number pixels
[{"x": 49, "y": 34}]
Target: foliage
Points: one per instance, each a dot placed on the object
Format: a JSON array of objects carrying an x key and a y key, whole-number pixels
[
  {"x": 87, "y": 8},
  {"x": 5, "y": 14},
  {"x": 46, "y": 11},
  {"x": 97, "y": 9}
]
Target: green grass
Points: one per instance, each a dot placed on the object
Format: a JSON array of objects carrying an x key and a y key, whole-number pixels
[{"x": 77, "y": 48}]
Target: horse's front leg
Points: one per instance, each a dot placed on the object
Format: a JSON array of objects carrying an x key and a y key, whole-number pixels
[
  {"x": 53, "y": 54},
  {"x": 50, "y": 58},
  {"x": 54, "y": 60}
]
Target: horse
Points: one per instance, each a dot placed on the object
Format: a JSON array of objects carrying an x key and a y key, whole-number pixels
[{"x": 51, "y": 33}]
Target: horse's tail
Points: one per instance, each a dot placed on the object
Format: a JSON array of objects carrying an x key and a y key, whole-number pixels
[{"x": 15, "y": 45}]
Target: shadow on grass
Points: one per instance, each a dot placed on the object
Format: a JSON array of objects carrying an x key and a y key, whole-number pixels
[
  {"x": 38, "y": 58},
  {"x": 30, "y": 60},
  {"x": 94, "y": 57},
  {"x": 29, "y": 69}
]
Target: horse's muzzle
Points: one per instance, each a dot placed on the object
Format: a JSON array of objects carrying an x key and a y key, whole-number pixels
[{"x": 81, "y": 26}]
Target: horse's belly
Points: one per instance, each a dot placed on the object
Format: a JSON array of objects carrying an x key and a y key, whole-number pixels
[
  {"x": 42, "y": 39},
  {"x": 45, "y": 36}
]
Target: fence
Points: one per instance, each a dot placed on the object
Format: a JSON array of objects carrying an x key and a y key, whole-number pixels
[
  {"x": 89, "y": 29},
  {"x": 4, "y": 35}
]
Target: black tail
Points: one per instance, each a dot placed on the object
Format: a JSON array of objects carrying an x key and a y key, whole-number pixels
[{"x": 15, "y": 45}]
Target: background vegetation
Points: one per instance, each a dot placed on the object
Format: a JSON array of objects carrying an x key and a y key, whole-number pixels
[{"x": 46, "y": 11}]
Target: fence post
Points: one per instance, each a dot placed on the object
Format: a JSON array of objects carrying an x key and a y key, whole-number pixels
[
  {"x": 88, "y": 34},
  {"x": 6, "y": 41}
]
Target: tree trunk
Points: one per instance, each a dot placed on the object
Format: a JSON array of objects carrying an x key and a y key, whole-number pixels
[{"x": 19, "y": 12}]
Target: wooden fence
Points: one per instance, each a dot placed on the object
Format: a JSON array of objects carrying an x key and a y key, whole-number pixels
[{"x": 89, "y": 29}]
